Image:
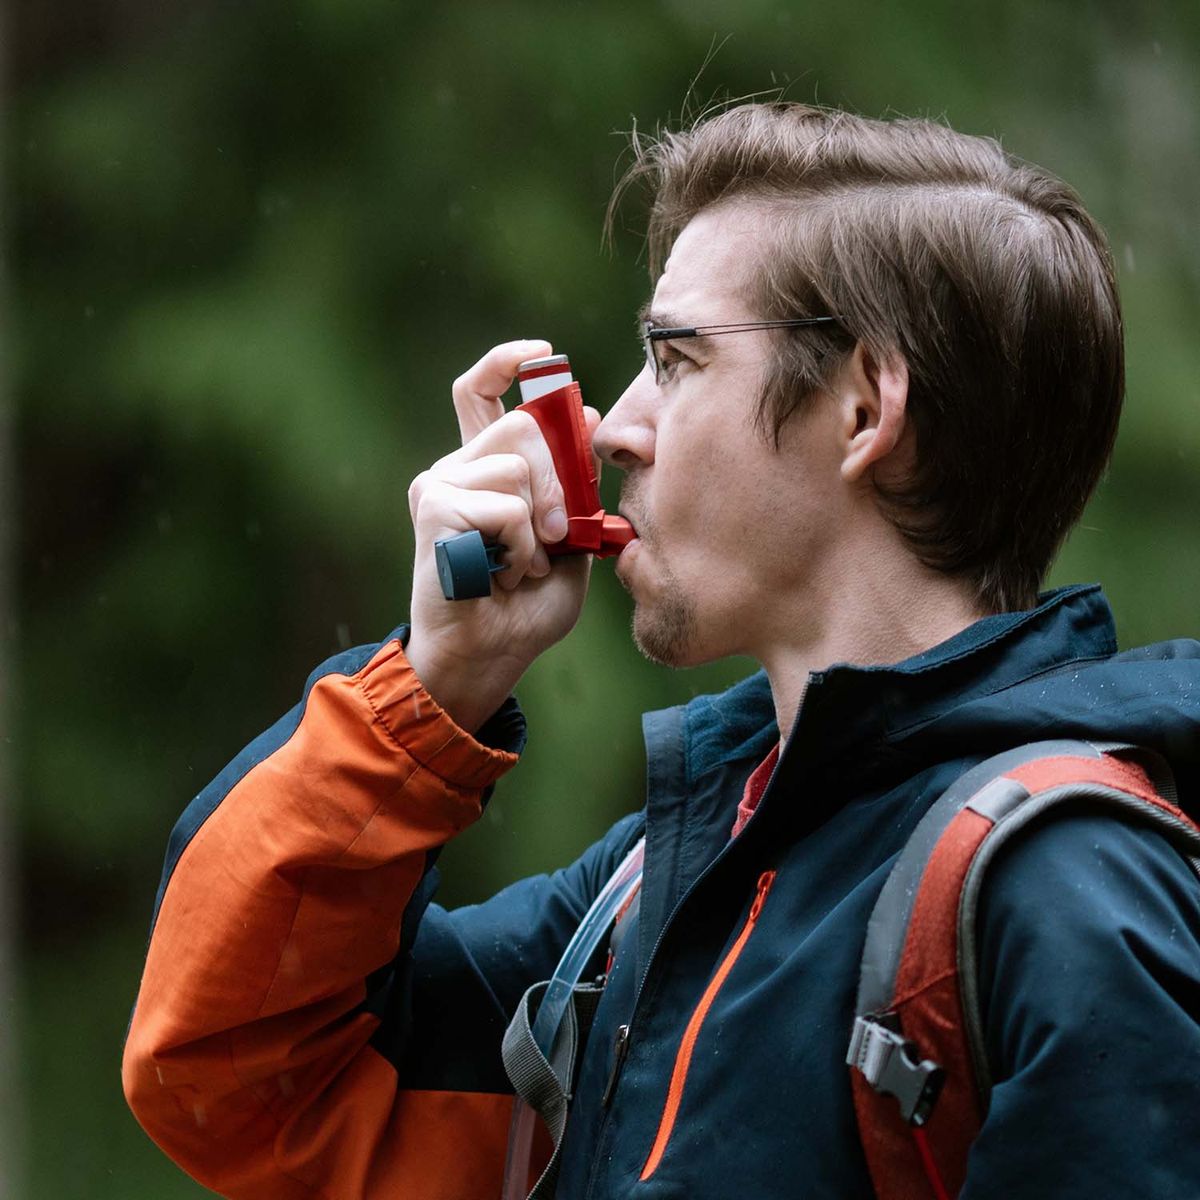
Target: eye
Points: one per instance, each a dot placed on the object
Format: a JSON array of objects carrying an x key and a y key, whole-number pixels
[{"x": 671, "y": 358}]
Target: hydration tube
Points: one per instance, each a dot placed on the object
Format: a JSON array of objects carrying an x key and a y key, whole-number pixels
[{"x": 554, "y": 1003}]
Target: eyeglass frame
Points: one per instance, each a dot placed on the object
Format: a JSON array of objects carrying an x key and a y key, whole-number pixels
[{"x": 652, "y": 334}]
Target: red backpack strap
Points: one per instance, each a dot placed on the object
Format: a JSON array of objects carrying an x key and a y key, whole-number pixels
[{"x": 920, "y": 1074}]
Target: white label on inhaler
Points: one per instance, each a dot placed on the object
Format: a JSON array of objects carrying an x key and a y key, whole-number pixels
[{"x": 538, "y": 376}]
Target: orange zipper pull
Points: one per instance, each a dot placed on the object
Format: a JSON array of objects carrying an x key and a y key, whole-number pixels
[{"x": 764, "y": 886}]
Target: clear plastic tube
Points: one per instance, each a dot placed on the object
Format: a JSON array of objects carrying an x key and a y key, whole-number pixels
[{"x": 548, "y": 1021}]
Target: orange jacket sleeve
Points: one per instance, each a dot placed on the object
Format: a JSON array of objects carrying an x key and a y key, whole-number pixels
[{"x": 250, "y": 1057}]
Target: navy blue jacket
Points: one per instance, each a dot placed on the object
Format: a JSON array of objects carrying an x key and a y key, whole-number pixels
[{"x": 1090, "y": 947}]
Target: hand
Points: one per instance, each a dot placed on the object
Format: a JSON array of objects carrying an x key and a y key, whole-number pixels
[{"x": 469, "y": 654}]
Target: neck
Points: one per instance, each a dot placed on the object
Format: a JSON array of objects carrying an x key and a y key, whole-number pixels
[{"x": 877, "y": 620}]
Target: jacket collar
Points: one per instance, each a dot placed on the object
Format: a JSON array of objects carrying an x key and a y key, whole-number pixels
[
  {"x": 860, "y": 732},
  {"x": 861, "y": 707},
  {"x": 848, "y": 706}
]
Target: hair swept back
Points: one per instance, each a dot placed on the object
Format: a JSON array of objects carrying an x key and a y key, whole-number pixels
[{"x": 984, "y": 272}]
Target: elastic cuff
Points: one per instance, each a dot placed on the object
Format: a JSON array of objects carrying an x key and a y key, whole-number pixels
[
  {"x": 504, "y": 729},
  {"x": 424, "y": 730}
]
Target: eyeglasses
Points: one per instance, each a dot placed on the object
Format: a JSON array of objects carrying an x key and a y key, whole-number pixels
[{"x": 651, "y": 336}]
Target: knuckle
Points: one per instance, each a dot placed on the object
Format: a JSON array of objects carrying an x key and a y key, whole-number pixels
[
  {"x": 517, "y": 470},
  {"x": 517, "y": 510},
  {"x": 505, "y": 428},
  {"x": 426, "y": 496},
  {"x": 416, "y": 489},
  {"x": 514, "y": 517}
]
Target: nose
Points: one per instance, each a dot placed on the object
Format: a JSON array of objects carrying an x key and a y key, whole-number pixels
[{"x": 625, "y": 438}]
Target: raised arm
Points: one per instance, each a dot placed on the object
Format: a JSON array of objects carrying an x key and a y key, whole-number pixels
[{"x": 288, "y": 1041}]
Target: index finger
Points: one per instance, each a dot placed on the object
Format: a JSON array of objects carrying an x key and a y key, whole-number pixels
[{"x": 477, "y": 391}]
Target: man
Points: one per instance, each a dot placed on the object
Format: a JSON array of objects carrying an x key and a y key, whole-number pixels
[{"x": 895, "y": 379}]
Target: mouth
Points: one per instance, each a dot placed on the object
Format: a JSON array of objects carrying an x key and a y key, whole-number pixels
[
  {"x": 623, "y": 560},
  {"x": 628, "y": 507}
]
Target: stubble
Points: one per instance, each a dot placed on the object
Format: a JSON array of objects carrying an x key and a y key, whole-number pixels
[
  {"x": 665, "y": 633},
  {"x": 664, "y": 628}
]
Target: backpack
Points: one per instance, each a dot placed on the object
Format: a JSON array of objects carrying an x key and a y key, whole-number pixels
[{"x": 919, "y": 1070}]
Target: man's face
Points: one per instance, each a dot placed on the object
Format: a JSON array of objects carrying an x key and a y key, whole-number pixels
[{"x": 731, "y": 529}]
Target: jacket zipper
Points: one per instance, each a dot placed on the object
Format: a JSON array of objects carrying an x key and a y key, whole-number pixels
[
  {"x": 620, "y": 1049},
  {"x": 624, "y": 1032},
  {"x": 687, "y": 1045},
  {"x": 615, "y": 1073}
]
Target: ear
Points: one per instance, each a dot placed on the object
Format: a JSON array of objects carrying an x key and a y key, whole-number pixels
[{"x": 874, "y": 398}]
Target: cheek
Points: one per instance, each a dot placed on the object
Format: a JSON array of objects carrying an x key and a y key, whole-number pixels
[
  {"x": 691, "y": 459},
  {"x": 682, "y": 501}
]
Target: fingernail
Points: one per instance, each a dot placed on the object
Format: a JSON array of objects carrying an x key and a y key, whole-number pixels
[{"x": 556, "y": 525}]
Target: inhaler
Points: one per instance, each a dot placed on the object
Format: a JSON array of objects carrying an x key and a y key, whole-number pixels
[{"x": 465, "y": 563}]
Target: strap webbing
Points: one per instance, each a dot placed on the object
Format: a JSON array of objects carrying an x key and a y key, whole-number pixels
[{"x": 545, "y": 1084}]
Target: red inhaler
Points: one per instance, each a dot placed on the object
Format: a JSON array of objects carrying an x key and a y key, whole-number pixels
[{"x": 552, "y": 398}]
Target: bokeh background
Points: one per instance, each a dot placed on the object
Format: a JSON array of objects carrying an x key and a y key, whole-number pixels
[{"x": 248, "y": 245}]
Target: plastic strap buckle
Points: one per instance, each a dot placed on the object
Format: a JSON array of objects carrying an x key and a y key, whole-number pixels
[{"x": 893, "y": 1066}]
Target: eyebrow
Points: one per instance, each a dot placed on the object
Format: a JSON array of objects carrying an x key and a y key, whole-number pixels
[
  {"x": 670, "y": 320},
  {"x": 660, "y": 320}
]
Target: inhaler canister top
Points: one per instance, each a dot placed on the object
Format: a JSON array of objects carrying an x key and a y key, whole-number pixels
[{"x": 539, "y": 376}]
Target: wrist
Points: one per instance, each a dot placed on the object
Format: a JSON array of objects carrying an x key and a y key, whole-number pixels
[{"x": 469, "y": 690}]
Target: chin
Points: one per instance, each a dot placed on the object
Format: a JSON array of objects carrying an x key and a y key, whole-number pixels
[{"x": 667, "y": 632}]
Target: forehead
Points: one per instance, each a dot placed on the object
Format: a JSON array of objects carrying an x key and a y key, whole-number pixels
[{"x": 708, "y": 274}]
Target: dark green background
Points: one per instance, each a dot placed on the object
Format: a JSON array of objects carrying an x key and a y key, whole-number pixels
[{"x": 250, "y": 245}]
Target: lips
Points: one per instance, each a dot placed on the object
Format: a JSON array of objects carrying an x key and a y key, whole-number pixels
[
  {"x": 642, "y": 530},
  {"x": 622, "y": 565},
  {"x": 627, "y": 508}
]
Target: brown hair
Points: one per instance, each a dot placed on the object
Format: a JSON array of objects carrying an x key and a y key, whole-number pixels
[{"x": 984, "y": 272}]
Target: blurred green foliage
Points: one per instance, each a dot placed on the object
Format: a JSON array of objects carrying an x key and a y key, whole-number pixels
[{"x": 251, "y": 246}]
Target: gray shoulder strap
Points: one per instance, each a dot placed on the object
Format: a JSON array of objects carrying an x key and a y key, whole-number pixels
[{"x": 544, "y": 1084}]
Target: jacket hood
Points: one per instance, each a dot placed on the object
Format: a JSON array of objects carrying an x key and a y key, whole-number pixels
[{"x": 1051, "y": 672}]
